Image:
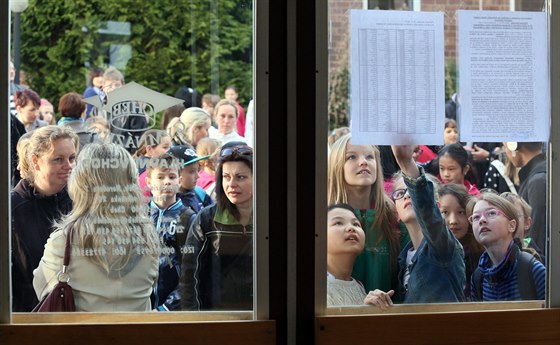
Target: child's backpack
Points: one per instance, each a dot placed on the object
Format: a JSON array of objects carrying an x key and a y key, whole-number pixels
[{"x": 527, "y": 289}]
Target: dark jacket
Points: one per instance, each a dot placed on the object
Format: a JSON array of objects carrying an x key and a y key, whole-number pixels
[
  {"x": 437, "y": 271},
  {"x": 217, "y": 263},
  {"x": 32, "y": 219},
  {"x": 196, "y": 199},
  {"x": 17, "y": 130},
  {"x": 532, "y": 188},
  {"x": 171, "y": 234}
]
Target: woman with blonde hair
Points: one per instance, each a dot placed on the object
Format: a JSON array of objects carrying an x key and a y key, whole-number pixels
[
  {"x": 190, "y": 127},
  {"x": 355, "y": 177},
  {"x": 46, "y": 159},
  {"x": 115, "y": 249}
]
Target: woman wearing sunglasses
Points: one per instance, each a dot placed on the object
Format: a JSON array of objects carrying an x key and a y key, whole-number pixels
[
  {"x": 431, "y": 267},
  {"x": 217, "y": 272},
  {"x": 494, "y": 220}
]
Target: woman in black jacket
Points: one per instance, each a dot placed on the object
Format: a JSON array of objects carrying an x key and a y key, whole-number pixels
[
  {"x": 46, "y": 158},
  {"x": 218, "y": 254}
]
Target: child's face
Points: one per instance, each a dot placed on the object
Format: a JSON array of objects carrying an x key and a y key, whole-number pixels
[
  {"x": 455, "y": 216},
  {"x": 209, "y": 107},
  {"x": 524, "y": 222},
  {"x": 403, "y": 205},
  {"x": 360, "y": 168},
  {"x": 231, "y": 95},
  {"x": 163, "y": 183},
  {"x": 450, "y": 171},
  {"x": 189, "y": 175},
  {"x": 345, "y": 234},
  {"x": 450, "y": 135},
  {"x": 161, "y": 148}
]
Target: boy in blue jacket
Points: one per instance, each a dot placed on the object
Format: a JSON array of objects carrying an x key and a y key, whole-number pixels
[
  {"x": 192, "y": 195},
  {"x": 171, "y": 219}
]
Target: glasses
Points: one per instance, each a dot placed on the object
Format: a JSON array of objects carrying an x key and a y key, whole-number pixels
[
  {"x": 399, "y": 194},
  {"x": 489, "y": 214},
  {"x": 238, "y": 150}
]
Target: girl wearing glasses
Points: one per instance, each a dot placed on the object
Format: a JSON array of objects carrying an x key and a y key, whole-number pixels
[
  {"x": 431, "y": 264},
  {"x": 217, "y": 270},
  {"x": 356, "y": 178},
  {"x": 494, "y": 220}
]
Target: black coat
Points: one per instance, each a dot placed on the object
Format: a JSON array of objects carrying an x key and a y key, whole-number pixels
[
  {"x": 32, "y": 220},
  {"x": 217, "y": 272}
]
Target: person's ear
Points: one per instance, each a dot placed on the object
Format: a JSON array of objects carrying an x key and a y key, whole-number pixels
[
  {"x": 466, "y": 169},
  {"x": 34, "y": 161},
  {"x": 149, "y": 149},
  {"x": 512, "y": 225},
  {"x": 528, "y": 223}
]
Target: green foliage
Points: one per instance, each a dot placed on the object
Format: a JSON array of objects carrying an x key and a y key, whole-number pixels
[
  {"x": 450, "y": 78},
  {"x": 338, "y": 98},
  {"x": 205, "y": 44}
]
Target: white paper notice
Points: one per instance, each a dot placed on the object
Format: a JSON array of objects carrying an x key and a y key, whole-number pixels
[
  {"x": 397, "y": 77},
  {"x": 503, "y": 76}
]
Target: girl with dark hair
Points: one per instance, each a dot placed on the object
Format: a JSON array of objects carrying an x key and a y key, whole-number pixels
[
  {"x": 453, "y": 201},
  {"x": 217, "y": 272},
  {"x": 454, "y": 165},
  {"x": 345, "y": 241}
]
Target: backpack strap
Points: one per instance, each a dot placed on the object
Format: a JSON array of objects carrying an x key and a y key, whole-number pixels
[
  {"x": 525, "y": 279},
  {"x": 477, "y": 283},
  {"x": 200, "y": 193}
]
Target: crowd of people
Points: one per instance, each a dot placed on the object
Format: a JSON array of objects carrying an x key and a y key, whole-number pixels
[
  {"x": 165, "y": 225},
  {"x": 434, "y": 224}
]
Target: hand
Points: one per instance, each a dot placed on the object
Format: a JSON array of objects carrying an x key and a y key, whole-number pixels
[
  {"x": 479, "y": 154},
  {"x": 404, "y": 155},
  {"x": 380, "y": 299}
]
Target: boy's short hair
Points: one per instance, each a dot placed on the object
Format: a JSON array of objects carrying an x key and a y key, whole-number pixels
[{"x": 163, "y": 162}]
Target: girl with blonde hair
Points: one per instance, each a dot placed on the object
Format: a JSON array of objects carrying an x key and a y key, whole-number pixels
[
  {"x": 190, "y": 127},
  {"x": 207, "y": 174},
  {"x": 355, "y": 177},
  {"x": 115, "y": 249}
]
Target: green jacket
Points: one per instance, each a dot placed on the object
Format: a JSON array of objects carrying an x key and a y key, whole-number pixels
[{"x": 373, "y": 265}]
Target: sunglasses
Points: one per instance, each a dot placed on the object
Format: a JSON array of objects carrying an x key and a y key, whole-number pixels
[{"x": 236, "y": 150}]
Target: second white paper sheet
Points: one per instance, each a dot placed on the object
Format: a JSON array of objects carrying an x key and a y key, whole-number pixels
[
  {"x": 503, "y": 76},
  {"x": 397, "y": 77}
]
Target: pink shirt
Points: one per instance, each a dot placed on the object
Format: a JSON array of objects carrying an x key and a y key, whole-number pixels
[{"x": 205, "y": 179}]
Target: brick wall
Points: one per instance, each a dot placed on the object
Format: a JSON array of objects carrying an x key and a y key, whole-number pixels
[{"x": 338, "y": 22}]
